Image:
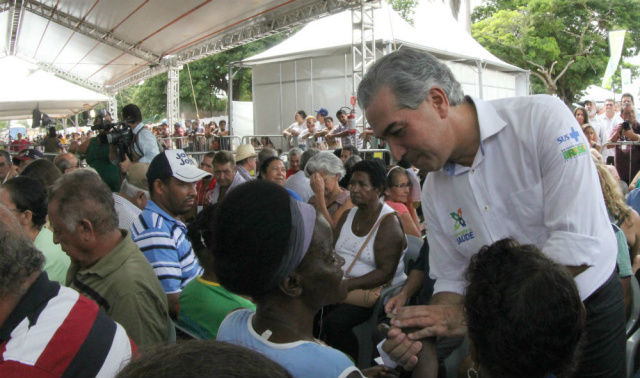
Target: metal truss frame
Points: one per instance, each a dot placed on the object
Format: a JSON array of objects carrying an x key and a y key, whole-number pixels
[
  {"x": 88, "y": 29},
  {"x": 363, "y": 44},
  {"x": 242, "y": 35}
]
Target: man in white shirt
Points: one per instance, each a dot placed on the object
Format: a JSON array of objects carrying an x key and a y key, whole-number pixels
[
  {"x": 489, "y": 181},
  {"x": 608, "y": 122},
  {"x": 226, "y": 174},
  {"x": 594, "y": 119},
  {"x": 133, "y": 195}
]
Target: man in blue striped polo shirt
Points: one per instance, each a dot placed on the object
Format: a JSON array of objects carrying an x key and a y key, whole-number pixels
[{"x": 172, "y": 178}]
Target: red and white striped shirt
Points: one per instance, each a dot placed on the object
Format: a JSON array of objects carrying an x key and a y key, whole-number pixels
[{"x": 56, "y": 332}]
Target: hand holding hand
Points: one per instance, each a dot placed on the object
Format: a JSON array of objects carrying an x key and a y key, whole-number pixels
[
  {"x": 400, "y": 348},
  {"x": 434, "y": 320},
  {"x": 395, "y": 302}
]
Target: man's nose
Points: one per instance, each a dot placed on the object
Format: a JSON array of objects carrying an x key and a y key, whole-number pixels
[{"x": 397, "y": 150}]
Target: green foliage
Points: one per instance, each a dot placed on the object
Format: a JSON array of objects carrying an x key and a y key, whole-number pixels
[
  {"x": 564, "y": 43},
  {"x": 210, "y": 83},
  {"x": 405, "y": 8}
]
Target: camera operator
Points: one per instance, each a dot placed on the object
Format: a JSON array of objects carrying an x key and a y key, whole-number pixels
[
  {"x": 97, "y": 154},
  {"x": 629, "y": 130},
  {"x": 144, "y": 146}
]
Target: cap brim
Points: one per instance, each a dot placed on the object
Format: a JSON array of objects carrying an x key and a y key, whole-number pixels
[{"x": 189, "y": 173}]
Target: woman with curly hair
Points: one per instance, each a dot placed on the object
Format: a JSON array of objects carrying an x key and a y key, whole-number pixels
[
  {"x": 623, "y": 216},
  {"x": 524, "y": 314}
]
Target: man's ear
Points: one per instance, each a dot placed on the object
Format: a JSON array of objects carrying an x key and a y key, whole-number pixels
[
  {"x": 439, "y": 101},
  {"x": 85, "y": 228},
  {"x": 292, "y": 285},
  {"x": 158, "y": 186}
]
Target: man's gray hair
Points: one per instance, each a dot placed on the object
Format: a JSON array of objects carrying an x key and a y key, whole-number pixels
[
  {"x": 130, "y": 190},
  {"x": 266, "y": 153},
  {"x": 83, "y": 195},
  {"x": 410, "y": 74},
  {"x": 7, "y": 157},
  {"x": 295, "y": 151},
  {"x": 325, "y": 162},
  {"x": 308, "y": 154},
  {"x": 19, "y": 258}
]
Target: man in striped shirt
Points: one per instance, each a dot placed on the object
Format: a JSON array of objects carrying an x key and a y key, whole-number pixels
[
  {"x": 172, "y": 177},
  {"x": 47, "y": 330}
]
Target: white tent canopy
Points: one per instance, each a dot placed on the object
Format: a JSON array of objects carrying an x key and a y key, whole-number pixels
[
  {"x": 28, "y": 88},
  {"x": 312, "y": 68},
  {"x": 436, "y": 31}
]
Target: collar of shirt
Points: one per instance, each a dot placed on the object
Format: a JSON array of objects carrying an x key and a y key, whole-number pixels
[
  {"x": 114, "y": 259},
  {"x": 138, "y": 128},
  {"x": 490, "y": 124},
  {"x": 31, "y": 304},
  {"x": 152, "y": 206}
]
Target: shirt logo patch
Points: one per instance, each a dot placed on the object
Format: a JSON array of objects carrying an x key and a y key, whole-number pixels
[
  {"x": 465, "y": 234},
  {"x": 459, "y": 221},
  {"x": 573, "y": 152}
]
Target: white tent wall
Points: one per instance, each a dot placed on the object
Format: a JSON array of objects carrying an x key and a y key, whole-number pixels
[
  {"x": 313, "y": 68},
  {"x": 282, "y": 88}
]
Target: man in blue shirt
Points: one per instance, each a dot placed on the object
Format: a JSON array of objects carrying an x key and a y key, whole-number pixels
[
  {"x": 144, "y": 146},
  {"x": 172, "y": 178}
]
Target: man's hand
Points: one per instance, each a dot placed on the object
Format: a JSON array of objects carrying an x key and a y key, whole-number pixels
[
  {"x": 433, "y": 320},
  {"x": 400, "y": 348}
]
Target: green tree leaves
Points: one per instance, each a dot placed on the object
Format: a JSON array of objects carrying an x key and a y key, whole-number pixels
[{"x": 562, "y": 42}]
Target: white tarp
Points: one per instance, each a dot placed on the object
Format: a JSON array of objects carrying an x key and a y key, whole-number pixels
[
  {"x": 25, "y": 87},
  {"x": 313, "y": 68}
]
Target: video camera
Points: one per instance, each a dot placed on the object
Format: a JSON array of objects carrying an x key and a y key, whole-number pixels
[{"x": 118, "y": 134}]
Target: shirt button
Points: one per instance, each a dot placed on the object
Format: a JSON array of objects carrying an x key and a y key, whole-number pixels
[
  {"x": 473, "y": 171},
  {"x": 486, "y": 208}
]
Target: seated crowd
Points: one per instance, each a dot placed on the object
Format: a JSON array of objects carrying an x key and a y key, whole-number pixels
[{"x": 282, "y": 255}]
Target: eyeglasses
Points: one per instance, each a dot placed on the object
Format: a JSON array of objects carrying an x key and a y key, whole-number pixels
[{"x": 402, "y": 186}]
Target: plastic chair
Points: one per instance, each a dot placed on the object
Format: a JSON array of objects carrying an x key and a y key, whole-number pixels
[
  {"x": 183, "y": 333},
  {"x": 632, "y": 353},
  {"x": 413, "y": 252},
  {"x": 634, "y": 317},
  {"x": 366, "y": 332},
  {"x": 454, "y": 360}
]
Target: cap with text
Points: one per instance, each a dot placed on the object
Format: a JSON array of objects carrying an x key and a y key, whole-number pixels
[{"x": 175, "y": 163}]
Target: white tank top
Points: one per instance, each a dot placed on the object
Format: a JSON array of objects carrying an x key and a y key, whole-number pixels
[{"x": 349, "y": 244}]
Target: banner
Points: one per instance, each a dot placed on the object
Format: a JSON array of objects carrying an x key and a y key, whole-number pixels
[
  {"x": 625, "y": 74},
  {"x": 616, "y": 42}
]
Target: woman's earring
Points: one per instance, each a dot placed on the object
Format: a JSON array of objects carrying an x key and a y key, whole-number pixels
[{"x": 472, "y": 372}]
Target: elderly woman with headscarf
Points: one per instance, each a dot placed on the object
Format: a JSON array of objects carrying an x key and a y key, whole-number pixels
[
  {"x": 291, "y": 274},
  {"x": 325, "y": 171}
]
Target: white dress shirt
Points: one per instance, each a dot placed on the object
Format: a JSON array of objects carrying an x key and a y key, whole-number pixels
[{"x": 532, "y": 180}]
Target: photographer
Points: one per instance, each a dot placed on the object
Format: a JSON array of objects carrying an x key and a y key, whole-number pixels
[
  {"x": 97, "y": 154},
  {"x": 626, "y": 155},
  {"x": 144, "y": 145}
]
